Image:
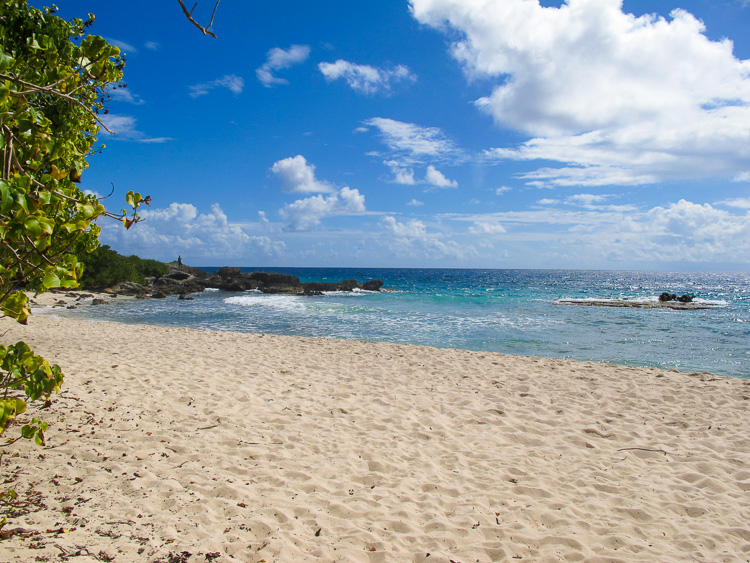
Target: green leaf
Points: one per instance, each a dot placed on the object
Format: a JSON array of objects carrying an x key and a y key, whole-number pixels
[
  {"x": 51, "y": 280},
  {"x": 33, "y": 228},
  {"x": 6, "y": 61},
  {"x": 15, "y": 306},
  {"x": 6, "y": 196}
]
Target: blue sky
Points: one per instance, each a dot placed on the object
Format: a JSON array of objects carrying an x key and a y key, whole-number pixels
[{"x": 593, "y": 134}]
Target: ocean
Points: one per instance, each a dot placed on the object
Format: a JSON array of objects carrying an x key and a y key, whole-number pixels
[{"x": 507, "y": 311}]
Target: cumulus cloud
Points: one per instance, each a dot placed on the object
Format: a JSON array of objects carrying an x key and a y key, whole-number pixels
[
  {"x": 232, "y": 82},
  {"x": 401, "y": 174},
  {"x": 366, "y": 79},
  {"x": 308, "y": 213},
  {"x": 411, "y": 229},
  {"x": 297, "y": 176},
  {"x": 124, "y": 129},
  {"x": 415, "y": 203},
  {"x": 411, "y": 239},
  {"x": 502, "y": 190},
  {"x": 615, "y": 98},
  {"x": 436, "y": 178},
  {"x": 279, "y": 59},
  {"x": 180, "y": 229}
]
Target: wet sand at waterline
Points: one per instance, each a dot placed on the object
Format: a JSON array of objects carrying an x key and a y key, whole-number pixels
[{"x": 254, "y": 447}]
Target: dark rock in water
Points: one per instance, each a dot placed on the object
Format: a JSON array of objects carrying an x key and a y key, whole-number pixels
[
  {"x": 317, "y": 288},
  {"x": 98, "y": 301},
  {"x": 158, "y": 295},
  {"x": 273, "y": 278},
  {"x": 372, "y": 285},
  {"x": 71, "y": 307},
  {"x": 184, "y": 297},
  {"x": 665, "y": 297},
  {"x": 347, "y": 285},
  {"x": 179, "y": 276}
]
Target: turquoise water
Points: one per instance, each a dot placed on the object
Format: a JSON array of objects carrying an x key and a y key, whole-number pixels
[{"x": 508, "y": 311}]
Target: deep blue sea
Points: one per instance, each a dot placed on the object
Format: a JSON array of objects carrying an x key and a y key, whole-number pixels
[{"x": 508, "y": 311}]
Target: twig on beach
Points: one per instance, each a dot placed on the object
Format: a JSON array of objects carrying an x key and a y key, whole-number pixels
[
  {"x": 259, "y": 443},
  {"x": 128, "y": 522},
  {"x": 208, "y": 427}
]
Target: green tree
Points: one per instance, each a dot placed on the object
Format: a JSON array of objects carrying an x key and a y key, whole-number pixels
[
  {"x": 105, "y": 267},
  {"x": 54, "y": 81}
]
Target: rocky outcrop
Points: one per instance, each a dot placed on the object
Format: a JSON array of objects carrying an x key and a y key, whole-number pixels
[
  {"x": 666, "y": 297},
  {"x": 372, "y": 285},
  {"x": 183, "y": 280}
]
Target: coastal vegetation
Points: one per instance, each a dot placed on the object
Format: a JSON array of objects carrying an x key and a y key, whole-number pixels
[
  {"x": 104, "y": 267},
  {"x": 54, "y": 82}
]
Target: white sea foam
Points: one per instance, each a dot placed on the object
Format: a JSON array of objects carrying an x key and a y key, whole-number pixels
[
  {"x": 211, "y": 290},
  {"x": 281, "y": 302}
]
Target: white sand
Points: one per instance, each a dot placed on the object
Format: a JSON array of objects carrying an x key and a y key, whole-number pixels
[{"x": 267, "y": 448}]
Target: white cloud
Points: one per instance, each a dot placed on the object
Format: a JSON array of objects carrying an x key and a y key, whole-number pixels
[
  {"x": 307, "y": 213},
  {"x": 125, "y": 95},
  {"x": 487, "y": 228},
  {"x": 279, "y": 59},
  {"x": 179, "y": 229},
  {"x": 502, "y": 190},
  {"x": 401, "y": 174},
  {"x": 739, "y": 203},
  {"x": 678, "y": 232},
  {"x": 617, "y": 99},
  {"x": 435, "y": 178},
  {"x": 152, "y": 45},
  {"x": 297, "y": 176},
  {"x": 365, "y": 79},
  {"x": 124, "y": 127},
  {"x": 232, "y": 82},
  {"x": 415, "y": 203},
  {"x": 412, "y": 240},
  {"x": 412, "y": 140},
  {"x": 548, "y": 201},
  {"x": 412, "y": 229},
  {"x": 743, "y": 176}
]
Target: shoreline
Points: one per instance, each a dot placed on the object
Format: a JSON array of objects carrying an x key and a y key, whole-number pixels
[{"x": 245, "y": 447}]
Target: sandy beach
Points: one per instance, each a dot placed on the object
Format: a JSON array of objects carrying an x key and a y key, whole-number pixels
[{"x": 171, "y": 444}]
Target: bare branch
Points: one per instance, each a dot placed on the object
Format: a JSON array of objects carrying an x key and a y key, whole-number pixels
[{"x": 189, "y": 16}]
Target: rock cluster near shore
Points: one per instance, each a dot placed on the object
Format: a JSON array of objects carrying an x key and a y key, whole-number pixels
[{"x": 186, "y": 279}]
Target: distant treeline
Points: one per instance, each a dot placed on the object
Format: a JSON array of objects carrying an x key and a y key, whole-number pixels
[{"x": 104, "y": 268}]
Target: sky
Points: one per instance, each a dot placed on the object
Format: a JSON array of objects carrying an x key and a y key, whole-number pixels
[{"x": 585, "y": 134}]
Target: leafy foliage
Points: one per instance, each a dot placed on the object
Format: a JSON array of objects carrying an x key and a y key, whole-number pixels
[
  {"x": 54, "y": 81},
  {"x": 22, "y": 369},
  {"x": 104, "y": 267}
]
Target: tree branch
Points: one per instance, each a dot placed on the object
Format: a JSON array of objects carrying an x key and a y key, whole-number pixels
[{"x": 189, "y": 16}]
